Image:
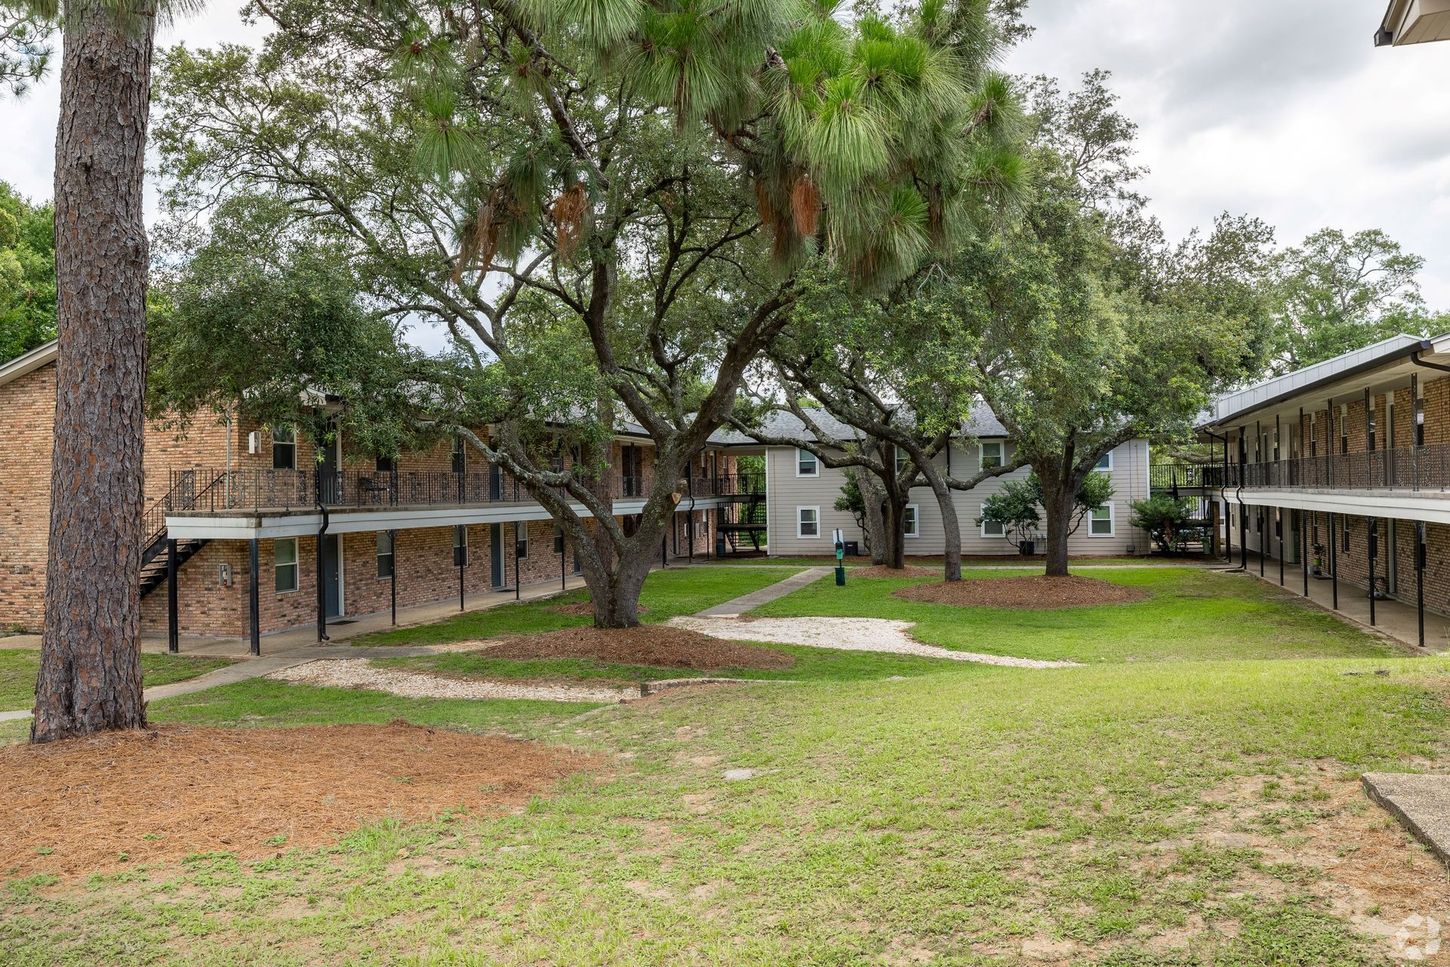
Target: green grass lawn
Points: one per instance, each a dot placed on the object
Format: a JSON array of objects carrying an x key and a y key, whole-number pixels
[
  {"x": 1189, "y": 798},
  {"x": 667, "y": 593},
  {"x": 1004, "y": 559},
  {"x": 1190, "y": 615},
  {"x": 19, "y": 666}
]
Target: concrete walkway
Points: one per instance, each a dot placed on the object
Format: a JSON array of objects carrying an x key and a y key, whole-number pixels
[{"x": 735, "y": 607}]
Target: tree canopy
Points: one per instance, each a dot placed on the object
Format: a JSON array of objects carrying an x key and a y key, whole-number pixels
[{"x": 27, "y": 274}]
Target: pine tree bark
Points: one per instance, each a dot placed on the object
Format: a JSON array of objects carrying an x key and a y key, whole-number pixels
[{"x": 90, "y": 668}]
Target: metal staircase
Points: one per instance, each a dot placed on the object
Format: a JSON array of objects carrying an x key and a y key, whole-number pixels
[{"x": 153, "y": 524}]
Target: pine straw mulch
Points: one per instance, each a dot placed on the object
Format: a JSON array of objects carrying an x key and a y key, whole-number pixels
[
  {"x": 658, "y": 646},
  {"x": 1037, "y": 592},
  {"x": 586, "y": 609},
  {"x": 115, "y": 800},
  {"x": 882, "y": 571}
]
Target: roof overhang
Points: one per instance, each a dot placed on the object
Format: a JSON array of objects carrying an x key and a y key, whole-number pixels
[
  {"x": 29, "y": 362},
  {"x": 1414, "y": 22},
  {"x": 1375, "y": 369}
]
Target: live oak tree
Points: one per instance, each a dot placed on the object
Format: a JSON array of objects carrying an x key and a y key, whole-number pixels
[
  {"x": 1337, "y": 292},
  {"x": 1091, "y": 330},
  {"x": 1016, "y": 507},
  {"x": 602, "y": 202}
]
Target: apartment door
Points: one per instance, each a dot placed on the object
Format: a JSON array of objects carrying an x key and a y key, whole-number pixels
[
  {"x": 497, "y": 576},
  {"x": 332, "y": 574}
]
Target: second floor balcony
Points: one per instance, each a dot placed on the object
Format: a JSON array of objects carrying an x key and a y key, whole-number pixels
[
  {"x": 1424, "y": 469},
  {"x": 253, "y": 490}
]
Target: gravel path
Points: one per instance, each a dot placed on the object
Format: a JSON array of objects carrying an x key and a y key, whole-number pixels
[
  {"x": 361, "y": 673},
  {"x": 847, "y": 634}
]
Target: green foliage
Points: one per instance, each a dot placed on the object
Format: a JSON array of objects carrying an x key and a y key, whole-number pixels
[
  {"x": 24, "y": 46},
  {"x": 1016, "y": 506},
  {"x": 1162, "y": 515},
  {"x": 27, "y": 274},
  {"x": 1337, "y": 292}
]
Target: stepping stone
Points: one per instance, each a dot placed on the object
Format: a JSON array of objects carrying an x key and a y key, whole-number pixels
[{"x": 1420, "y": 803}]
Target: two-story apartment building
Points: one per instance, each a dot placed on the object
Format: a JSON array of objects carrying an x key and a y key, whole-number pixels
[
  {"x": 1345, "y": 466},
  {"x": 1413, "y": 22},
  {"x": 801, "y": 495},
  {"x": 265, "y": 530}
]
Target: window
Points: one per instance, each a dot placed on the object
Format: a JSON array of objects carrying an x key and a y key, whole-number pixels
[
  {"x": 902, "y": 459},
  {"x": 284, "y": 448},
  {"x": 521, "y": 540},
  {"x": 1371, "y": 436},
  {"x": 387, "y": 464},
  {"x": 911, "y": 523},
  {"x": 284, "y": 564},
  {"x": 806, "y": 464},
  {"x": 385, "y": 554},
  {"x": 1343, "y": 427},
  {"x": 993, "y": 528},
  {"x": 992, "y": 454},
  {"x": 460, "y": 545},
  {"x": 558, "y": 540},
  {"x": 1344, "y": 537},
  {"x": 460, "y": 458},
  {"x": 1105, "y": 463},
  {"x": 1101, "y": 524},
  {"x": 807, "y": 522}
]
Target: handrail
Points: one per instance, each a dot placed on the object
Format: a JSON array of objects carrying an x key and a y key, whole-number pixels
[{"x": 1413, "y": 469}]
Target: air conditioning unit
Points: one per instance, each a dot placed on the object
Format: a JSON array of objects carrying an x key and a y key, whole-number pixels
[{"x": 254, "y": 442}]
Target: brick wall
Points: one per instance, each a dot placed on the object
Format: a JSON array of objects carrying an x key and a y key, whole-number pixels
[{"x": 27, "y": 414}]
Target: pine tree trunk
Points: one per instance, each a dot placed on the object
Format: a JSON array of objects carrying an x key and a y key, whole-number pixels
[{"x": 90, "y": 665}]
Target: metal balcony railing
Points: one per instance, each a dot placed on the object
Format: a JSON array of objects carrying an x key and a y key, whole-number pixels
[{"x": 1413, "y": 469}]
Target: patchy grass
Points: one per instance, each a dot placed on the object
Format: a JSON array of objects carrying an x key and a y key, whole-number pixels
[
  {"x": 19, "y": 666},
  {"x": 1190, "y": 615},
  {"x": 667, "y": 594},
  {"x": 811, "y": 665},
  {"x": 1005, "y": 559},
  {"x": 260, "y": 702},
  {"x": 1180, "y": 801}
]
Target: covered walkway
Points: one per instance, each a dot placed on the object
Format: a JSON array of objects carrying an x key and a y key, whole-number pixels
[{"x": 1393, "y": 618}]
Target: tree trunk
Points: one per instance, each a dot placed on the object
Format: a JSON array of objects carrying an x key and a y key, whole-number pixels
[
  {"x": 951, "y": 529},
  {"x": 615, "y": 593},
  {"x": 895, "y": 528},
  {"x": 874, "y": 499},
  {"x": 1058, "y": 500},
  {"x": 90, "y": 664}
]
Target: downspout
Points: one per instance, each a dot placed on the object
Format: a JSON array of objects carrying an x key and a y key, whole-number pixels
[
  {"x": 321, "y": 585},
  {"x": 1415, "y": 358}
]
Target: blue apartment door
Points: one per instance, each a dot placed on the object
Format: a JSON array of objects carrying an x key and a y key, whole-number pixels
[
  {"x": 496, "y": 573},
  {"x": 332, "y": 575}
]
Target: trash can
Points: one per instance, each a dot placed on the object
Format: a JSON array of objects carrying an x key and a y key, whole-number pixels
[
  {"x": 1028, "y": 548},
  {"x": 853, "y": 548}
]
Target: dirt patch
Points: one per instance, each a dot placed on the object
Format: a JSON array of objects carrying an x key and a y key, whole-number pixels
[
  {"x": 658, "y": 646},
  {"x": 586, "y": 609},
  {"x": 1035, "y": 592},
  {"x": 882, "y": 571},
  {"x": 113, "y": 801}
]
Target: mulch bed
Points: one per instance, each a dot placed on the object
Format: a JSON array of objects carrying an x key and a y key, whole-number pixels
[
  {"x": 586, "y": 609},
  {"x": 121, "y": 799},
  {"x": 1037, "y": 592},
  {"x": 658, "y": 646},
  {"x": 882, "y": 571}
]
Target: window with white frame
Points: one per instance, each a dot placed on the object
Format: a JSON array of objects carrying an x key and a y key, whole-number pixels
[
  {"x": 1105, "y": 463},
  {"x": 460, "y": 545},
  {"x": 284, "y": 564},
  {"x": 385, "y": 554},
  {"x": 1344, "y": 428},
  {"x": 1100, "y": 523},
  {"x": 993, "y": 453},
  {"x": 807, "y": 522},
  {"x": 284, "y": 448},
  {"x": 911, "y": 523},
  {"x": 807, "y": 464},
  {"x": 521, "y": 539},
  {"x": 902, "y": 459},
  {"x": 993, "y": 528}
]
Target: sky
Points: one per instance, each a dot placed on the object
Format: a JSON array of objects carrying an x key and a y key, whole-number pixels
[{"x": 1281, "y": 109}]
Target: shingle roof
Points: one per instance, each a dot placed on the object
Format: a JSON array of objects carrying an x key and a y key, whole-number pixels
[{"x": 982, "y": 423}]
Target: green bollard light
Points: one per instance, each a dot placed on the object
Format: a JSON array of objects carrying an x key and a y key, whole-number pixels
[{"x": 840, "y": 562}]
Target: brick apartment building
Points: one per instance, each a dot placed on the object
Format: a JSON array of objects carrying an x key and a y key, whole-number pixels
[
  {"x": 243, "y": 508},
  {"x": 1345, "y": 466}
]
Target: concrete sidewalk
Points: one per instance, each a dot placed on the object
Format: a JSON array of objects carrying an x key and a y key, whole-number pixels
[{"x": 749, "y": 602}]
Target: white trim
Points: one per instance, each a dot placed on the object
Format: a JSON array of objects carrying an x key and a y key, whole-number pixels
[
  {"x": 296, "y": 565},
  {"x": 1001, "y": 446},
  {"x": 272, "y": 438},
  {"x": 807, "y": 537},
  {"x": 816, "y": 459},
  {"x": 453, "y": 556},
  {"x": 29, "y": 362},
  {"x": 915, "y": 531},
  {"x": 524, "y": 531},
  {"x": 1099, "y": 468},
  {"x": 392, "y": 555},
  {"x": 1112, "y": 521},
  {"x": 986, "y": 534}
]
